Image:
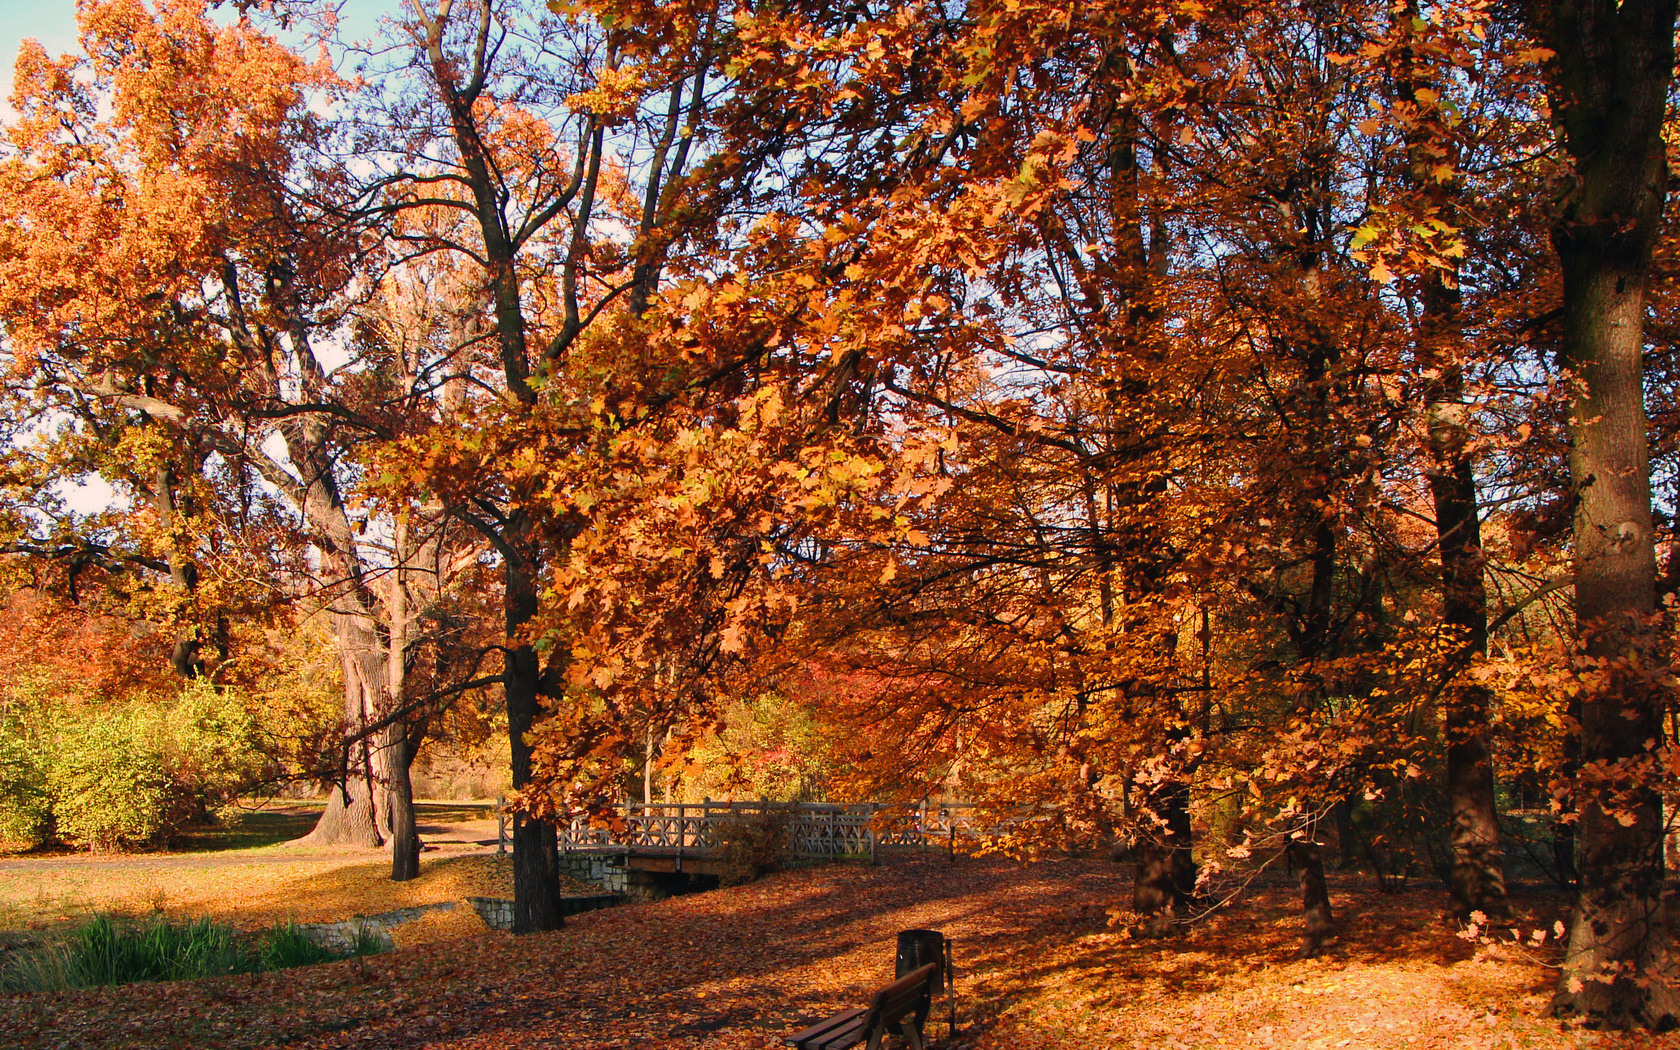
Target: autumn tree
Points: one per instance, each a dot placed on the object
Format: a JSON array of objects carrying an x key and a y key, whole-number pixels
[
  {"x": 107, "y": 366},
  {"x": 1609, "y": 81},
  {"x": 180, "y": 345},
  {"x": 1080, "y": 336},
  {"x": 568, "y": 158}
]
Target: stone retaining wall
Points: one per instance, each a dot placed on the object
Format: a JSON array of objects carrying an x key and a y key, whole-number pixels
[
  {"x": 608, "y": 870},
  {"x": 498, "y": 913},
  {"x": 341, "y": 936}
]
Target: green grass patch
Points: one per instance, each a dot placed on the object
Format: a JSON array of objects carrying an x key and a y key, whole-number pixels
[
  {"x": 253, "y": 829},
  {"x": 109, "y": 950},
  {"x": 453, "y": 812}
]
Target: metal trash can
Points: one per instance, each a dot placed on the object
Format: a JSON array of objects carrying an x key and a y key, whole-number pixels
[{"x": 917, "y": 948}]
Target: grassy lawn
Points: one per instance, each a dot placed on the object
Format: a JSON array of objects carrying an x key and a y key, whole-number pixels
[
  {"x": 246, "y": 888},
  {"x": 1038, "y": 967},
  {"x": 248, "y": 875}
]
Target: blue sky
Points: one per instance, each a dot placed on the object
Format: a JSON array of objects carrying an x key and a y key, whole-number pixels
[{"x": 52, "y": 22}]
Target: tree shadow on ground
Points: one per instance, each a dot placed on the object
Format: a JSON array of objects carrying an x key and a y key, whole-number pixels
[{"x": 254, "y": 829}]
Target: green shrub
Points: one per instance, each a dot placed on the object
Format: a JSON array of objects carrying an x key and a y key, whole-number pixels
[
  {"x": 108, "y": 786},
  {"x": 26, "y": 814},
  {"x": 208, "y": 743},
  {"x": 25, "y": 798},
  {"x": 119, "y": 776}
]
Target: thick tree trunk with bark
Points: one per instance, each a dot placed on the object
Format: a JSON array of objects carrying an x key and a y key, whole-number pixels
[
  {"x": 1164, "y": 882},
  {"x": 405, "y": 837},
  {"x": 1609, "y": 92},
  {"x": 350, "y": 818},
  {"x": 1619, "y": 935},
  {"x": 536, "y": 857},
  {"x": 358, "y": 810}
]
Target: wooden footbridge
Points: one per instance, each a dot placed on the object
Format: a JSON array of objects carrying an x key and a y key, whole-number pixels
[{"x": 689, "y": 837}]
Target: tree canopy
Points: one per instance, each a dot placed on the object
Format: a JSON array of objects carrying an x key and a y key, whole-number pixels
[{"x": 1175, "y": 425}]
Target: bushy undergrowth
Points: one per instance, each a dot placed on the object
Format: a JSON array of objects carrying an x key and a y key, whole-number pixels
[
  {"x": 25, "y": 801},
  {"x": 107, "y": 785},
  {"x": 752, "y": 846},
  {"x": 111, "y": 776},
  {"x": 110, "y": 950},
  {"x": 768, "y": 746}
]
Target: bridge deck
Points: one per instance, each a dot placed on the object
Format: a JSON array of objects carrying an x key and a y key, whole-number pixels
[{"x": 678, "y": 832}]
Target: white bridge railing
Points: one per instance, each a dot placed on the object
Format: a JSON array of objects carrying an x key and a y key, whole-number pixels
[{"x": 816, "y": 830}]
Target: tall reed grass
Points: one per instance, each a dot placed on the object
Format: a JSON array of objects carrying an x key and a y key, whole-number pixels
[{"x": 115, "y": 950}]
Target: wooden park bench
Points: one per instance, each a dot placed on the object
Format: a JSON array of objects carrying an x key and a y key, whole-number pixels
[{"x": 903, "y": 1003}]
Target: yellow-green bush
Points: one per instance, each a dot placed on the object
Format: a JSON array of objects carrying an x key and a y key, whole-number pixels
[
  {"x": 124, "y": 775},
  {"x": 768, "y": 746},
  {"x": 209, "y": 746},
  {"x": 25, "y": 804},
  {"x": 108, "y": 785}
]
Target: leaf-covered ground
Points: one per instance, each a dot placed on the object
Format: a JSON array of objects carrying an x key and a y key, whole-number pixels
[{"x": 736, "y": 968}]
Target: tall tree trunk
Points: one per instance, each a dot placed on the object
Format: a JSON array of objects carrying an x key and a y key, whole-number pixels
[
  {"x": 536, "y": 860},
  {"x": 1152, "y": 886},
  {"x": 536, "y": 856},
  {"x": 1619, "y": 929},
  {"x": 1477, "y": 879},
  {"x": 1609, "y": 87},
  {"x": 1620, "y": 918},
  {"x": 358, "y": 810},
  {"x": 405, "y": 837},
  {"x": 401, "y": 740},
  {"x": 1164, "y": 875},
  {"x": 355, "y": 813},
  {"x": 1164, "y": 883}
]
